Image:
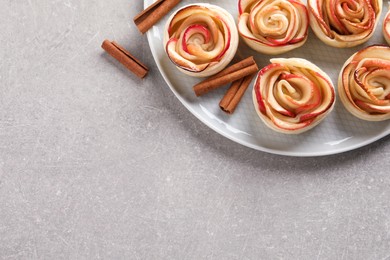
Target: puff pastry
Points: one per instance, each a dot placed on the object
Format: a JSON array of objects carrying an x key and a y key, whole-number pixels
[
  {"x": 344, "y": 23},
  {"x": 364, "y": 83},
  {"x": 273, "y": 26},
  {"x": 292, "y": 95},
  {"x": 201, "y": 39}
]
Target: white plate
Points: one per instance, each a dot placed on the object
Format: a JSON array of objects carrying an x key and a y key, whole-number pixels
[{"x": 339, "y": 132}]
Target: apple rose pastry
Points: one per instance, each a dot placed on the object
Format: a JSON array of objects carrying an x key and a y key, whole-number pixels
[
  {"x": 344, "y": 23},
  {"x": 201, "y": 39},
  {"x": 386, "y": 27},
  {"x": 364, "y": 83},
  {"x": 292, "y": 95},
  {"x": 273, "y": 26}
]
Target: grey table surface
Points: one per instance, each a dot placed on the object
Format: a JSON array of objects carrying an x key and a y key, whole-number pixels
[{"x": 98, "y": 164}]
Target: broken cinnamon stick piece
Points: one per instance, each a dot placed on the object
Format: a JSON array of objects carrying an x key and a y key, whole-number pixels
[
  {"x": 234, "y": 94},
  {"x": 234, "y": 72},
  {"x": 125, "y": 57},
  {"x": 151, "y": 15}
]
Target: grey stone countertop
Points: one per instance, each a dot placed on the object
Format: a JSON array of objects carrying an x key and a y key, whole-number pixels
[{"x": 98, "y": 164}]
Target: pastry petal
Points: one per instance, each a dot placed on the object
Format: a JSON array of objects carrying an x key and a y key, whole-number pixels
[
  {"x": 344, "y": 23},
  {"x": 292, "y": 95},
  {"x": 364, "y": 83},
  {"x": 201, "y": 39},
  {"x": 273, "y": 26}
]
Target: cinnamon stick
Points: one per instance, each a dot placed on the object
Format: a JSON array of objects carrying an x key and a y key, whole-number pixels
[
  {"x": 125, "y": 57},
  {"x": 234, "y": 72},
  {"x": 234, "y": 94},
  {"x": 232, "y": 68},
  {"x": 151, "y": 15}
]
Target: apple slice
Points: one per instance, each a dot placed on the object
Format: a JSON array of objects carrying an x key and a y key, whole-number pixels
[
  {"x": 185, "y": 64},
  {"x": 386, "y": 27},
  {"x": 298, "y": 93},
  {"x": 373, "y": 109}
]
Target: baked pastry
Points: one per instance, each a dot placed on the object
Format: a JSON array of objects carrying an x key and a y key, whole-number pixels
[
  {"x": 364, "y": 83},
  {"x": 292, "y": 95},
  {"x": 386, "y": 27},
  {"x": 201, "y": 39},
  {"x": 273, "y": 26},
  {"x": 341, "y": 23}
]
